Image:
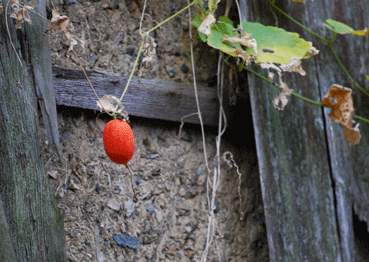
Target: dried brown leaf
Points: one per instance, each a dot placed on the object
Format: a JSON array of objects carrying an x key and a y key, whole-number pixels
[
  {"x": 65, "y": 24},
  {"x": 206, "y": 24},
  {"x": 149, "y": 55},
  {"x": 244, "y": 40},
  {"x": 339, "y": 98},
  {"x": 294, "y": 66},
  {"x": 352, "y": 135},
  {"x": 281, "y": 100},
  {"x": 110, "y": 103},
  {"x": 20, "y": 13}
]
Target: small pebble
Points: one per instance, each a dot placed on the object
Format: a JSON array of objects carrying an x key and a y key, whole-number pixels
[
  {"x": 129, "y": 207},
  {"x": 93, "y": 60},
  {"x": 171, "y": 72},
  {"x": 98, "y": 188},
  {"x": 156, "y": 172},
  {"x": 131, "y": 50},
  {"x": 65, "y": 136},
  {"x": 150, "y": 208},
  {"x": 73, "y": 185},
  {"x": 69, "y": 2},
  {"x": 159, "y": 216},
  {"x": 152, "y": 156},
  {"x": 199, "y": 171},
  {"x": 126, "y": 241},
  {"x": 185, "y": 68},
  {"x": 113, "y": 204},
  {"x": 154, "y": 132},
  {"x": 53, "y": 174}
]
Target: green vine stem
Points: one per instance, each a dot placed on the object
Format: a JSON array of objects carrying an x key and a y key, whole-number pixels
[
  {"x": 345, "y": 70},
  {"x": 171, "y": 17},
  {"x": 296, "y": 95},
  {"x": 361, "y": 118},
  {"x": 328, "y": 42},
  {"x": 276, "y": 85},
  {"x": 142, "y": 43},
  {"x": 298, "y": 23},
  {"x": 130, "y": 76}
]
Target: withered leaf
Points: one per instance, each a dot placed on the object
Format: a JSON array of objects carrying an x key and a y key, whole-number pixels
[
  {"x": 149, "y": 55},
  {"x": 281, "y": 100},
  {"x": 206, "y": 24},
  {"x": 65, "y": 24},
  {"x": 339, "y": 98},
  {"x": 111, "y": 104},
  {"x": 20, "y": 13},
  {"x": 352, "y": 135}
]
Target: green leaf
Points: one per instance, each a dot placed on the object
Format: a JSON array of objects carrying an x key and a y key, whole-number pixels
[
  {"x": 256, "y": 42},
  {"x": 343, "y": 29},
  {"x": 225, "y": 19},
  {"x": 196, "y": 22},
  {"x": 275, "y": 45},
  {"x": 215, "y": 40}
]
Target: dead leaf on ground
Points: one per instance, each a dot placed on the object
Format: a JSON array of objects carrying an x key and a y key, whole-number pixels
[{"x": 339, "y": 98}]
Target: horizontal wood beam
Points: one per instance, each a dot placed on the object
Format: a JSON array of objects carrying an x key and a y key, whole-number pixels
[{"x": 152, "y": 98}]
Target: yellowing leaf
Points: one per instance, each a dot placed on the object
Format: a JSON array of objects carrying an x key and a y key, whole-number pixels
[
  {"x": 341, "y": 28},
  {"x": 276, "y": 45}
]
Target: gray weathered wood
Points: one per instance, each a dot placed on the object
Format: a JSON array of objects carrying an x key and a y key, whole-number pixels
[
  {"x": 35, "y": 223},
  {"x": 311, "y": 178},
  {"x": 151, "y": 98}
]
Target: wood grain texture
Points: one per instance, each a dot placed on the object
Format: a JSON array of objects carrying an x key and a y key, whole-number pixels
[
  {"x": 35, "y": 225},
  {"x": 312, "y": 180},
  {"x": 151, "y": 98}
]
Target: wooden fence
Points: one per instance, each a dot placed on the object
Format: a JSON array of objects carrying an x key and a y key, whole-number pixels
[{"x": 313, "y": 183}]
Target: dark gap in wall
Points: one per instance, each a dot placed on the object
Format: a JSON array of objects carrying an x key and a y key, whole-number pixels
[{"x": 361, "y": 235}]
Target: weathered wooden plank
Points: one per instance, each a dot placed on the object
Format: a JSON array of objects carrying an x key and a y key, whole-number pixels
[
  {"x": 151, "y": 98},
  {"x": 293, "y": 159},
  {"x": 36, "y": 228},
  {"x": 350, "y": 165}
]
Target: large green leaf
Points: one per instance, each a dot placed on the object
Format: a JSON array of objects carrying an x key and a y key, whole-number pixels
[{"x": 275, "y": 45}]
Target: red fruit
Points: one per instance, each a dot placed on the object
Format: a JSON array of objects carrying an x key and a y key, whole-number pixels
[{"x": 119, "y": 141}]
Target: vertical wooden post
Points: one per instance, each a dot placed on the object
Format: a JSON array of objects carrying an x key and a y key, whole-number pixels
[{"x": 35, "y": 224}]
